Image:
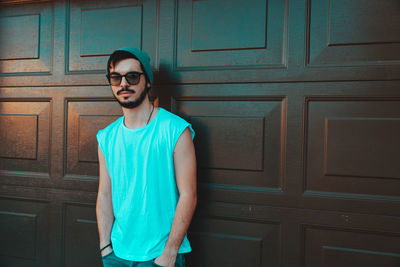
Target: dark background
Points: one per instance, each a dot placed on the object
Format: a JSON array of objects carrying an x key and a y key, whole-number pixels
[{"x": 295, "y": 103}]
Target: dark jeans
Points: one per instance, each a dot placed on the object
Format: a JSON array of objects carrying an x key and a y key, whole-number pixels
[{"x": 110, "y": 260}]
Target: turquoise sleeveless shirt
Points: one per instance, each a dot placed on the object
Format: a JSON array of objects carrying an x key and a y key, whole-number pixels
[{"x": 144, "y": 192}]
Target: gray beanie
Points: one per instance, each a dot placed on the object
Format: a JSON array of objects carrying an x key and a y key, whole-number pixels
[{"x": 142, "y": 57}]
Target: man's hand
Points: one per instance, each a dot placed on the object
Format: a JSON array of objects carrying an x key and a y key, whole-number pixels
[
  {"x": 106, "y": 251},
  {"x": 166, "y": 260}
]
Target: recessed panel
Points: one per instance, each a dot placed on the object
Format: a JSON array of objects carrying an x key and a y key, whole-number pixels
[
  {"x": 324, "y": 247},
  {"x": 85, "y": 119},
  {"x": 221, "y": 142},
  {"x": 24, "y": 233},
  {"x": 21, "y": 37},
  {"x": 376, "y": 22},
  {"x": 234, "y": 243},
  {"x": 353, "y": 33},
  {"x": 230, "y": 34},
  {"x": 97, "y": 28},
  {"x": 237, "y": 142},
  {"x": 18, "y": 234},
  {"x": 18, "y": 136},
  {"x": 81, "y": 243},
  {"x": 26, "y": 38},
  {"x": 104, "y": 29},
  {"x": 218, "y": 26},
  {"x": 25, "y": 135},
  {"x": 88, "y": 128},
  {"x": 353, "y": 146}
]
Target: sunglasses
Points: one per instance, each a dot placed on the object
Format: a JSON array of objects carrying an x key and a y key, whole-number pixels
[{"x": 132, "y": 78}]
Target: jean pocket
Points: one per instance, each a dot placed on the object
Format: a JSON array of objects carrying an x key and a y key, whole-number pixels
[
  {"x": 155, "y": 264},
  {"x": 107, "y": 255},
  {"x": 180, "y": 260}
]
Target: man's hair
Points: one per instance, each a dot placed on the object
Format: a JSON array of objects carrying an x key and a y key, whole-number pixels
[{"x": 120, "y": 55}]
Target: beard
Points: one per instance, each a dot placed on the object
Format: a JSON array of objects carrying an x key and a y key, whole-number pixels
[{"x": 132, "y": 103}]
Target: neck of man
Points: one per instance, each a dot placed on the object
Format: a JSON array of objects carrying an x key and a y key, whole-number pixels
[{"x": 139, "y": 116}]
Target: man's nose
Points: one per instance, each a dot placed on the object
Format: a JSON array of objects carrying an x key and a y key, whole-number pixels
[{"x": 124, "y": 83}]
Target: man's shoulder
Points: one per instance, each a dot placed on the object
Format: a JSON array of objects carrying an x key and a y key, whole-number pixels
[
  {"x": 174, "y": 123},
  {"x": 167, "y": 116}
]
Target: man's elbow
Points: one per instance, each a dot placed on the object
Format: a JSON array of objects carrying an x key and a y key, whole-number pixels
[
  {"x": 190, "y": 198},
  {"x": 103, "y": 197}
]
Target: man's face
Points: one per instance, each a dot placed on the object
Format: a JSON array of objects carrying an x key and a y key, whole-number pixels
[{"x": 129, "y": 96}]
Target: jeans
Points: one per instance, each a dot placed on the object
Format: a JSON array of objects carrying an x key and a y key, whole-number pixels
[{"x": 111, "y": 260}]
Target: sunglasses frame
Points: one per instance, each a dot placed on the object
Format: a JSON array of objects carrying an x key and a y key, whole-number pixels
[{"x": 126, "y": 78}]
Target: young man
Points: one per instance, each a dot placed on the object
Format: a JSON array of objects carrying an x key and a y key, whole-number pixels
[{"x": 147, "y": 183}]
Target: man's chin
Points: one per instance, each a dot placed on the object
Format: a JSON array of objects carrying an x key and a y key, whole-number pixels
[
  {"x": 129, "y": 104},
  {"x": 126, "y": 103}
]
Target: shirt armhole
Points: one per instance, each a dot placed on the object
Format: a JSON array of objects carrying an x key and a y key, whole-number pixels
[
  {"x": 99, "y": 141},
  {"x": 179, "y": 133}
]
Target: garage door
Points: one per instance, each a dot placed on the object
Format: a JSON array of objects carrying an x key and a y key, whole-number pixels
[{"x": 296, "y": 106}]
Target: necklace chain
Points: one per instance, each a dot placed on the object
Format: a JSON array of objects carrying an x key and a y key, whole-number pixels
[{"x": 151, "y": 113}]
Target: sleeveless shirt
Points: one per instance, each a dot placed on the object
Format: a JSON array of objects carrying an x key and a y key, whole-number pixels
[{"x": 144, "y": 192}]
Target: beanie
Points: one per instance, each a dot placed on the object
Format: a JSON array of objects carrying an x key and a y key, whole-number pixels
[{"x": 143, "y": 58}]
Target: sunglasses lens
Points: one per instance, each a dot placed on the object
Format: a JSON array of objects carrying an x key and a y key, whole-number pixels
[
  {"x": 115, "y": 79},
  {"x": 133, "y": 78}
]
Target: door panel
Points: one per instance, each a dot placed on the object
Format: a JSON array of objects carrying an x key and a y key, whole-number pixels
[
  {"x": 247, "y": 243},
  {"x": 251, "y": 35},
  {"x": 26, "y": 43},
  {"x": 96, "y": 28},
  {"x": 25, "y": 137},
  {"x": 353, "y": 146},
  {"x": 85, "y": 118},
  {"x": 80, "y": 224},
  {"x": 23, "y": 225},
  {"x": 343, "y": 32},
  {"x": 326, "y": 247}
]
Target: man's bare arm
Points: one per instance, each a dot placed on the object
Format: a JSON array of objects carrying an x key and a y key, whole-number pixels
[
  {"x": 185, "y": 173},
  {"x": 104, "y": 210}
]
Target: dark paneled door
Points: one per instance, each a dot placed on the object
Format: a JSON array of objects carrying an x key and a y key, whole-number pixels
[{"x": 296, "y": 110}]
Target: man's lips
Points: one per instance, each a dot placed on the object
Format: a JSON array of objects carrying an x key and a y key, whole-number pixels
[{"x": 125, "y": 92}]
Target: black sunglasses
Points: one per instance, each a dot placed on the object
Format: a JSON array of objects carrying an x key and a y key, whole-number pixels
[{"x": 132, "y": 78}]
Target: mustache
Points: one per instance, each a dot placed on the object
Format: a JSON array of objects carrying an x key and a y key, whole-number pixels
[{"x": 125, "y": 90}]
